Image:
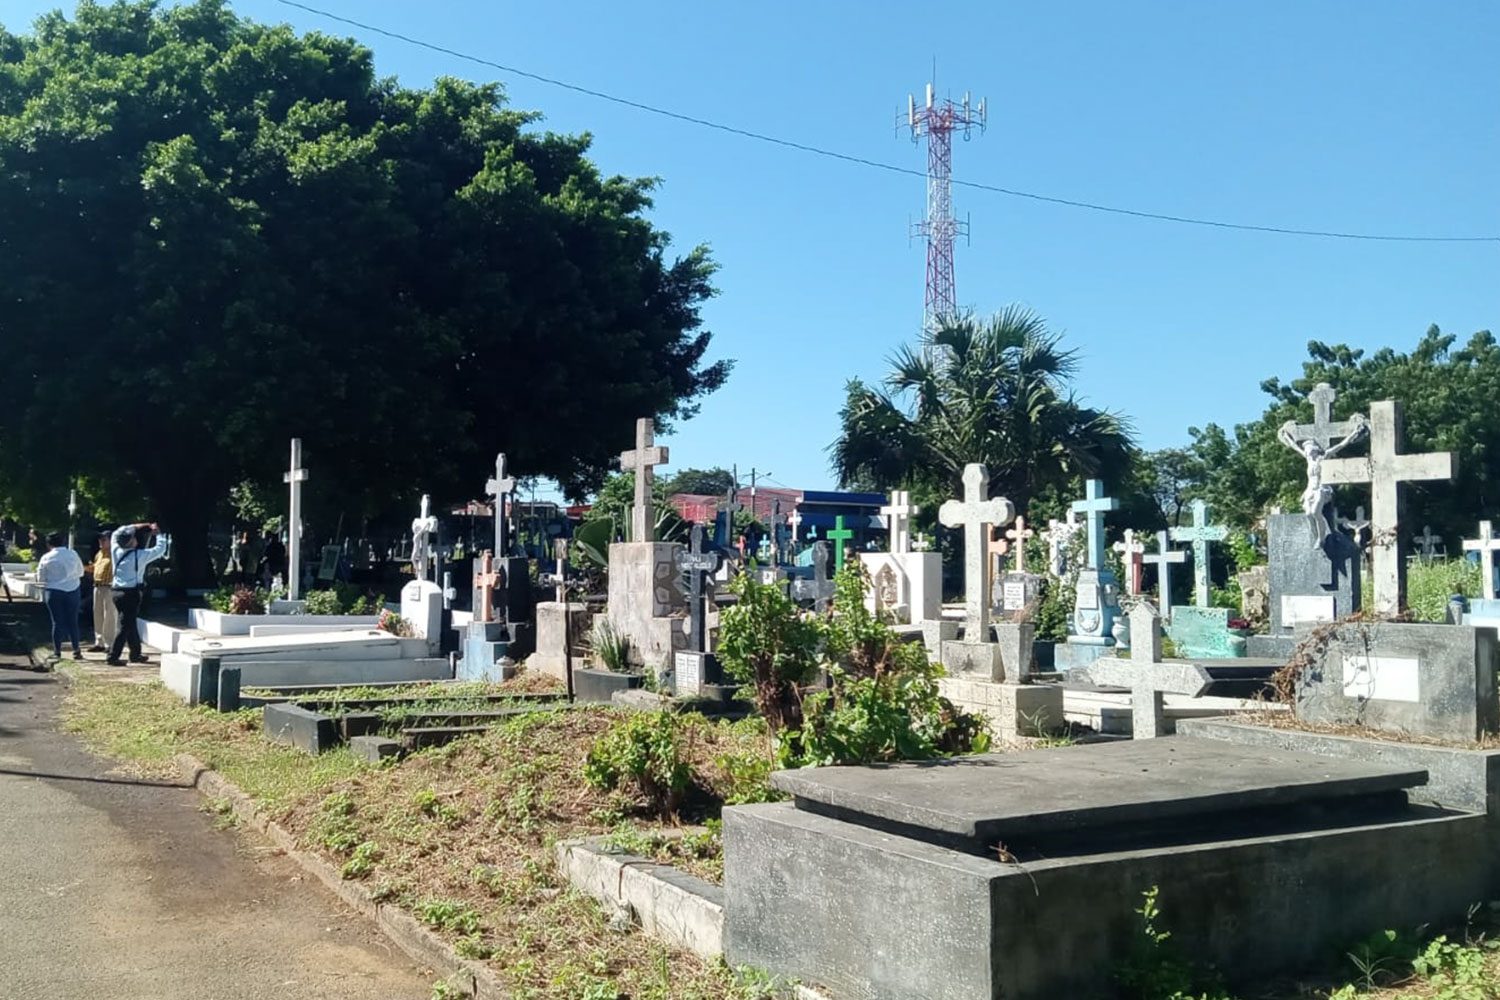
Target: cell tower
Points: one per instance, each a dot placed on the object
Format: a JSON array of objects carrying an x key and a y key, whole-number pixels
[{"x": 936, "y": 121}]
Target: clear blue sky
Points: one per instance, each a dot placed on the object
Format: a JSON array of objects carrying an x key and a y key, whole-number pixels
[{"x": 1357, "y": 116}]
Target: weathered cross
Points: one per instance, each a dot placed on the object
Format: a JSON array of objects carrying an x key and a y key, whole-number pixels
[
  {"x": 1427, "y": 543},
  {"x": 839, "y": 535},
  {"x": 485, "y": 582},
  {"x": 643, "y": 459},
  {"x": 1486, "y": 545},
  {"x": 699, "y": 566},
  {"x": 1163, "y": 559},
  {"x": 498, "y": 487},
  {"x": 1200, "y": 534},
  {"x": 558, "y": 577},
  {"x": 1131, "y": 550},
  {"x": 1093, "y": 507},
  {"x": 296, "y": 476},
  {"x": 423, "y": 527},
  {"x": 1385, "y": 470},
  {"x": 1019, "y": 534},
  {"x": 730, "y": 506},
  {"x": 898, "y": 514},
  {"x": 1324, "y": 429},
  {"x": 819, "y": 589},
  {"x": 975, "y": 513}
]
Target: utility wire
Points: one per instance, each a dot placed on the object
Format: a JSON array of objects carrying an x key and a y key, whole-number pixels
[{"x": 876, "y": 164}]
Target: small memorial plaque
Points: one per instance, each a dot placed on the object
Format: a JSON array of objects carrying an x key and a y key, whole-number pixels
[
  {"x": 1381, "y": 678},
  {"x": 1306, "y": 609},
  {"x": 1014, "y": 595},
  {"x": 328, "y": 568},
  {"x": 688, "y": 670}
]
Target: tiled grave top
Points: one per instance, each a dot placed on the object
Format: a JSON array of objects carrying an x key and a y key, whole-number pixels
[{"x": 1017, "y": 797}]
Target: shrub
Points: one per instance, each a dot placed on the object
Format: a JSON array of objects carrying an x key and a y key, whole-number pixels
[
  {"x": 323, "y": 602},
  {"x": 765, "y": 641},
  {"x": 368, "y": 604},
  {"x": 245, "y": 601},
  {"x": 218, "y": 600},
  {"x": 643, "y": 749},
  {"x": 1430, "y": 584},
  {"x": 609, "y": 647}
]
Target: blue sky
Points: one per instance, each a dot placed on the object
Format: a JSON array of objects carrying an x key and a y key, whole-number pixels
[{"x": 1373, "y": 117}]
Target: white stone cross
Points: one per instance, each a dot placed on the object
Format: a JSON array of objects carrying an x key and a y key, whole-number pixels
[
  {"x": 295, "y": 476},
  {"x": 795, "y": 520},
  {"x": 1056, "y": 535},
  {"x": 643, "y": 459},
  {"x": 1093, "y": 507},
  {"x": 1486, "y": 545},
  {"x": 1385, "y": 470},
  {"x": 975, "y": 513},
  {"x": 1200, "y": 534},
  {"x": 1019, "y": 534},
  {"x": 1427, "y": 543},
  {"x": 898, "y": 514},
  {"x": 423, "y": 527},
  {"x": 499, "y": 486},
  {"x": 1163, "y": 559},
  {"x": 1131, "y": 550}
]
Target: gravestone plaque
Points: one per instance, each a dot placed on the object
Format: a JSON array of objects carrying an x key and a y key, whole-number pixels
[
  {"x": 1204, "y": 632},
  {"x": 1305, "y": 563},
  {"x": 1019, "y": 591}
]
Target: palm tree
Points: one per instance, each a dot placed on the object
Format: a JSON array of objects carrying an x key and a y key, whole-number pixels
[{"x": 991, "y": 391}]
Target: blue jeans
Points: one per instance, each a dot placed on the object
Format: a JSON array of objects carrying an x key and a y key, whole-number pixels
[{"x": 62, "y": 605}]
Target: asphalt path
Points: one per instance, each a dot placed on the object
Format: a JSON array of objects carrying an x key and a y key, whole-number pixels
[{"x": 114, "y": 888}]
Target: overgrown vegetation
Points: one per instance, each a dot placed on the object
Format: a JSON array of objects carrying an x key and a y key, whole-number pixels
[
  {"x": 239, "y": 600},
  {"x": 1429, "y": 585},
  {"x": 608, "y": 647}
]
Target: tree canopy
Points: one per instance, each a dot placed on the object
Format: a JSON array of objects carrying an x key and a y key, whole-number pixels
[
  {"x": 220, "y": 235},
  {"x": 703, "y": 482}
]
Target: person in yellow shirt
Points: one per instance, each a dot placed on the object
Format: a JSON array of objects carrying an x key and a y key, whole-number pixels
[{"x": 106, "y": 618}]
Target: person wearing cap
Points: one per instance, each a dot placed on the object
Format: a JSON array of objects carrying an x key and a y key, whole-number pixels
[
  {"x": 130, "y": 562},
  {"x": 59, "y": 572},
  {"x": 106, "y": 619}
]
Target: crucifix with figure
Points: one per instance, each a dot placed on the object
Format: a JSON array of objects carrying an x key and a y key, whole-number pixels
[
  {"x": 1386, "y": 469},
  {"x": 497, "y": 488},
  {"x": 644, "y": 459},
  {"x": 1200, "y": 534},
  {"x": 976, "y": 513},
  {"x": 295, "y": 476},
  {"x": 1485, "y": 545},
  {"x": 423, "y": 530},
  {"x": 1164, "y": 558}
]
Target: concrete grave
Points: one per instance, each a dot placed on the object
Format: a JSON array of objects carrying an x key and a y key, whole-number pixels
[
  {"x": 646, "y": 602},
  {"x": 1435, "y": 681},
  {"x": 1313, "y": 577},
  {"x": 1204, "y": 632},
  {"x": 961, "y": 879},
  {"x": 561, "y": 632}
]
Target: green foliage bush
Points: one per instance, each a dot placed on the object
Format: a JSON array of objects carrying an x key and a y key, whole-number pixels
[
  {"x": 323, "y": 602},
  {"x": 765, "y": 641},
  {"x": 1429, "y": 585},
  {"x": 644, "y": 749},
  {"x": 609, "y": 647}
]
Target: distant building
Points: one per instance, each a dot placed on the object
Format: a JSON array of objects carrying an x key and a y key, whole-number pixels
[{"x": 819, "y": 509}]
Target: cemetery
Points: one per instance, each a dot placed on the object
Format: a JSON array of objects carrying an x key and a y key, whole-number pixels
[{"x": 436, "y": 596}]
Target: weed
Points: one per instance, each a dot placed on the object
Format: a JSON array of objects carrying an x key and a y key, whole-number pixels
[
  {"x": 362, "y": 861},
  {"x": 473, "y": 946},
  {"x": 644, "y": 749},
  {"x": 609, "y": 647},
  {"x": 448, "y": 915}
]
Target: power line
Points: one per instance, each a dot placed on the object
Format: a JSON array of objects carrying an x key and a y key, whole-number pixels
[{"x": 876, "y": 164}]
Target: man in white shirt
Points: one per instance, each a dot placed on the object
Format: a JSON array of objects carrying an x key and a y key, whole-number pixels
[
  {"x": 131, "y": 560},
  {"x": 59, "y": 572}
]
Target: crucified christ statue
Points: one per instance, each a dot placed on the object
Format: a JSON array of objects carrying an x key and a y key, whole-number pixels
[{"x": 1318, "y": 496}]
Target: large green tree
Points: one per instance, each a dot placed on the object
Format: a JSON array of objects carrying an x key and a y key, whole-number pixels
[
  {"x": 994, "y": 391},
  {"x": 1445, "y": 391},
  {"x": 219, "y": 235}
]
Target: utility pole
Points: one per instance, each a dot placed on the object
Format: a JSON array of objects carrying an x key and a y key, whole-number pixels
[
  {"x": 936, "y": 121},
  {"x": 754, "y": 475}
]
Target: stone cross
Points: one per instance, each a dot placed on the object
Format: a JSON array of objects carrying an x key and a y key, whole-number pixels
[
  {"x": 819, "y": 589},
  {"x": 921, "y": 543},
  {"x": 1148, "y": 716},
  {"x": 423, "y": 527},
  {"x": 975, "y": 513},
  {"x": 485, "y": 582},
  {"x": 1019, "y": 534},
  {"x": 643, "y": 459},
  {"x": 498, "y": 487},
  {"x": 898, "y": 514},
  {"x": 730, "y": 506},
  {"x": 1385, "y": 470},
  {"x": 1427, "y": 543},
  {"x": 699, "y": 566},
  {"x": 1131, "y": 550},
  {"x": 295, "y": 476},
  {"x": 560, "y": 553},
  {"x": 1093, "y": 507},
  {"x": 839, "y": 535},
  {"x": 1324, "y": 429},
  {"x": 1486, "y": 545},
  {"x": 795, "y": 520},
  {"x": 1163, "y": 559},
  {"x": 1200, "y": 534}
]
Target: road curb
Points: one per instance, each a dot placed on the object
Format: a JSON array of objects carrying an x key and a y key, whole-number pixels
[{"x": 409, "y": 934}]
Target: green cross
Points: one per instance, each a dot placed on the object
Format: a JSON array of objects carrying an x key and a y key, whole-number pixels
[{"x": 839, "y": 535}]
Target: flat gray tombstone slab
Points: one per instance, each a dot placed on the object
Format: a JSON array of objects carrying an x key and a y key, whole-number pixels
[
  {"x": 1309, "y": 582},
  {"x": 973, "y": 803}
]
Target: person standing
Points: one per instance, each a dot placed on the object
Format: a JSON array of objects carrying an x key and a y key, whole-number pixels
[
  {"x": 106, "y": 620},
  {"x": 59, "y": 572},
  {"x": 130, "y": 559},
  {"x": 272, "y": 561}
]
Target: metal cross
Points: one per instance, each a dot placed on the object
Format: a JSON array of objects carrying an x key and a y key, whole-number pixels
[
  {"x": 295, "y": 476},
  {"x": 975, "y": 513},
  {"x": 1200, "y": 534},
  {"x": 819, "y": 589},
  {"x": 643, "y": 459},
  {"x": 699, "y": 566}
]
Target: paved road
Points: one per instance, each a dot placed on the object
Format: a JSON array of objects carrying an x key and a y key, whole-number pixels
[{"x": 117, "y": 889}]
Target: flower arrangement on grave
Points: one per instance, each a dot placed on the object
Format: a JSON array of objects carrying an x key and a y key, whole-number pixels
[
  {"x": 393, "y": 623},
  {"x": 238, "y": 601}
]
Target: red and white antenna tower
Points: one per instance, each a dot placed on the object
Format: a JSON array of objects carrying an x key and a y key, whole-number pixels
[{"x": 936, "y": 121}]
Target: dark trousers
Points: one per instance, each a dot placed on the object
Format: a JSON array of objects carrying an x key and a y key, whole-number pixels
[
  {"x": 128, "y": 604},
  {"x": 62, "y": 605}
]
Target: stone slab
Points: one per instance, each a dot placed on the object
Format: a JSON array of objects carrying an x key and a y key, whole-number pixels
[
  {"x": 1071, "y": 656},
  {"x": 165, "y": 638},
  {"x": 1199, "y": 631},
  {"x": 1270, "y": 647},
  {"x": 181, "y": 673},
  {"x": 972, "y": 803},
  {"x": 982, "y": 659},
  {"x": 866, "y": 913},
  {"x": 561, "y": 630},
  {"x": 598, "y": 686},
  {"x": 645, "y": 598},
  {"x": 1435, "y": 681},
  {"x": 370, "y": 644},
  {"x": 1302, "y": 568},
  {"x": 295, "y": 725},
  {"x": 1011, "y": 710},
  {"x": 219, "y": 623},
  {"x": 374, "y": 749}
]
